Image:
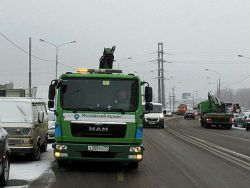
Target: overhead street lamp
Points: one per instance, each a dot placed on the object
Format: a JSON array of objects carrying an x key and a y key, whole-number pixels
[
  {"x": 217, "y": 89},
  {"x": 219, "y": 79},
  {"x": 57, "y": 48},
  {"x": 119, "y": 61},
  {"x": 239, "y": 55}
]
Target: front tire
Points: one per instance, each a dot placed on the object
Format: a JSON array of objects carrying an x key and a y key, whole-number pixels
[
  {"x": 247, "y": 128},
  {"x": 62, "y": 163},
  {"x": 44, "y": 145},
  {"x": 134, "y": 165},
  {"x": 36, "y": 154},
  {"x": 5, "y": 171}
]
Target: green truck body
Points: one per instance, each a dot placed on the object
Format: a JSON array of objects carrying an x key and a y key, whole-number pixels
[
  {"x": 213, "y": 113},
  {"x": 91, "y": 124}
]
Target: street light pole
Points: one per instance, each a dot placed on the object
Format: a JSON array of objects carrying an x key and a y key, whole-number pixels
[
  {"x": 122, "y": 61},
  {"x": 219, "y": 79},
  {"x": 217, "y": 85},
  {"x": 57, "y": 49}
]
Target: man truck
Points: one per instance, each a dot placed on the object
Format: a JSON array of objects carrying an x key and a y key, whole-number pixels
[
  {"x": 91, "y": 124},
  {"x": 213, "y": 113}
]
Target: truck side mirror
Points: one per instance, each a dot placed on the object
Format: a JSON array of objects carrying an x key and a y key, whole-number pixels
[
  {"x": 148, "y": 106},
  {"x": 40, "y": 116},
  {"x": 148, "y": 94},
  {"x": 52, "y": 89},
  {"x": 164, "y": 112},
  {"x": 51, "y": 104}
]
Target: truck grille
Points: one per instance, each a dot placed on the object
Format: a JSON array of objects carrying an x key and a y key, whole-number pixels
[
  {"x": 103, "y": 130},
  {"x": 96, "y": 154},
  {"x": 13, "y": 142},
  {"x": 13, "y": 131},
  {"x": 152, "y": 119},
  {"x": 221, "y": 120}
]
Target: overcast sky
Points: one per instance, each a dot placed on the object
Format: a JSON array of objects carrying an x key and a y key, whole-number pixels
[{"x": 197, "y": 34}]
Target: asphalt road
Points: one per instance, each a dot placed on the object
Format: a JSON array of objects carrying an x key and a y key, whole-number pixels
[{"x": 181, "y": 155}]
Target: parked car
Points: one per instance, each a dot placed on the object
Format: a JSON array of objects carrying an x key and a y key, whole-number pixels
[
  {"x": 4, "y": 157},
  {"x": 26, "y": 121},
  {"x": 243, "y": 120},
  {"x": 190, "y": 114},
  {"x": 167, "y": 112},
  {"x": 51, "y": 126},
  {"x": 155, "y": 118}
]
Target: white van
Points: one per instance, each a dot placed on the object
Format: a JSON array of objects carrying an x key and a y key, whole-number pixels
[
  {"x": 26, "y": 121},
  {"x": 155, "y": 118}
]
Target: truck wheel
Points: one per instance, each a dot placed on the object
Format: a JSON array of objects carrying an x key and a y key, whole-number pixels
[
  {"x": 161, "y": 126},
  {"x": 36, "y": 154},
  {"x": 247, "y": 128},
  {"x": 133, "y": 165},
  {"x": 5, "y": 171},
  {"x": 44, "y": 145},
  {"x": 62, "y": 163},
  {"x": 205, "y": 125}
]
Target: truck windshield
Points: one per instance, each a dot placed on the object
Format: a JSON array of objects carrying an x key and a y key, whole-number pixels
[
  {"x": 95, "y": 94},
  {"x": 156, "y": 109},
  {"x": 15, "y": 111}
]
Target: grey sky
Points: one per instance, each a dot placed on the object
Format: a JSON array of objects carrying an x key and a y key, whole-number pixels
[{"x": 198, "y": 34}]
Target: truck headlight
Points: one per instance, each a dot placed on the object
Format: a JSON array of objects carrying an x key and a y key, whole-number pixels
[
  {"x": 161, "y": 116},
  {"x": 27, "y": 131},
  {"x": 135, "y": 149},
  {"x": 61, "y": 147}
]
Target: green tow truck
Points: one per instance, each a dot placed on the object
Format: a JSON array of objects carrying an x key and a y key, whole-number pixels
[
  {"x": 213, "y": 113},
  {"x": 99, "y": 114}
]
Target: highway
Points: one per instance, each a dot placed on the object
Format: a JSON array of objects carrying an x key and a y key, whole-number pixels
[{"x": 181, "y": 155}]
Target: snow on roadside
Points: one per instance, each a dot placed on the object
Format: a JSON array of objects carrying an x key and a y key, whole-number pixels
[
  {"x": 30, "y": 170},
  {"x": 239, "y": 128}
]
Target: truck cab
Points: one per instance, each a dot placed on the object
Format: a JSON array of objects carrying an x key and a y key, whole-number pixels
[{"x": 98, "y": 116}]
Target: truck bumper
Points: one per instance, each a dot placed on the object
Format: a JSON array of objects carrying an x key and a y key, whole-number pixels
[
  {"x": 92, "y": 152},
  {"x": 21, "y": 150},
  {"x": 159, "y": 123},
  {"x": 218, "y": 124}
]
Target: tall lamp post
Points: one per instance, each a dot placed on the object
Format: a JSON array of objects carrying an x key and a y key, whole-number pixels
[
  {"x": 128, "y": 58},
  {"x": 217, "y": 88},
  {"x": 57, "y": 48},
  {"x": 219, "y": 79}
]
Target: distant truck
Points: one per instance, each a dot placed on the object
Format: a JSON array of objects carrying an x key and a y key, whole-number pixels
[
  {"x": 182, "y": 108},
  {"x": 213, "y": 113}
]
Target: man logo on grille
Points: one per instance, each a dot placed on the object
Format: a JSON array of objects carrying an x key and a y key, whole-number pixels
[{"x": 98, "y": 129}]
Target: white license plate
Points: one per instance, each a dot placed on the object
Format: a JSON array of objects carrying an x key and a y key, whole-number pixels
[{"x": 98, "y": 148}]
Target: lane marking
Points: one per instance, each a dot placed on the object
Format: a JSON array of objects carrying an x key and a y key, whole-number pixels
[
  {"x": 239, "y": 162},
  {"x": 120, "y": 176},
  {"x": 222, "y": 148}
]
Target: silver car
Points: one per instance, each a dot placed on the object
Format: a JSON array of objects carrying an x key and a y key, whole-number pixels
[{"x": 51, "y": 126}]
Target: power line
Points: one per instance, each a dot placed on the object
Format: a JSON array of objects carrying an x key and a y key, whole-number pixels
[{"x": 21, "y": 49}]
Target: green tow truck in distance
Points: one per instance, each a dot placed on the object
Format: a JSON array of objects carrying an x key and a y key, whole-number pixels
[
  {"x": 213, "y": 113},
  {"x": 99, "y": 114}
]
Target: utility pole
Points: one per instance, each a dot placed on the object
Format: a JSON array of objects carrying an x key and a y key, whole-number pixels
[
  {"x": 170, "y": 101},
  {"x": 161, "y": 78},
  {"x": 159, "y": 75},
  {"x": 30, "y": 67},
  {"x": 173, "y": 98}
]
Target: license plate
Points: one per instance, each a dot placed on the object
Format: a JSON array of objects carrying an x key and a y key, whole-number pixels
[
  {"x": 151, "y": 123},
  {"x": 98, "y": 148}
]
